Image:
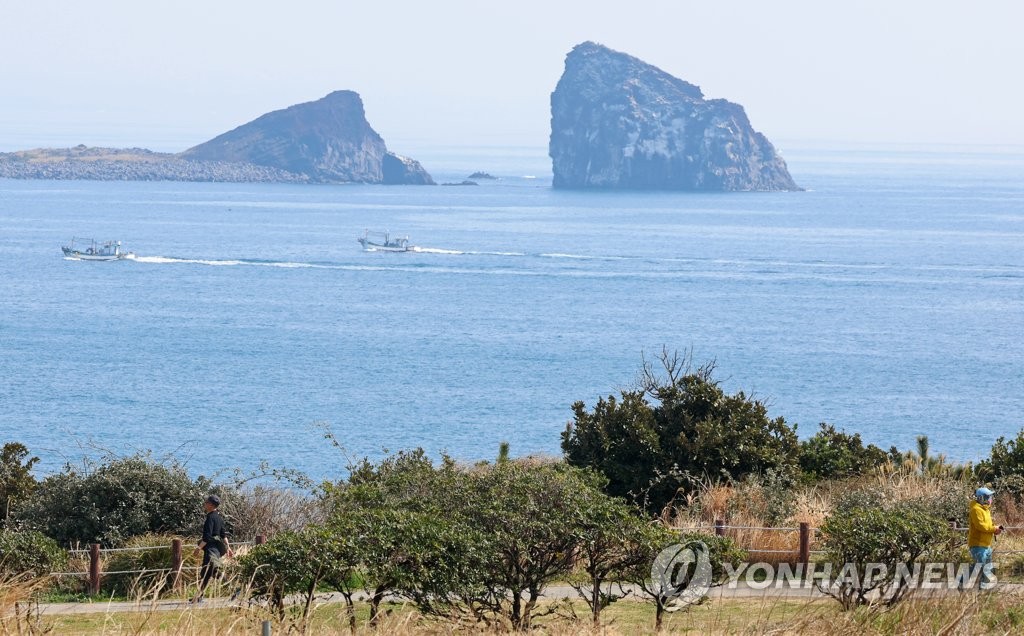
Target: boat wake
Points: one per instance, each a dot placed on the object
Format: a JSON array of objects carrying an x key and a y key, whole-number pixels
[
  {"x": 164, "y": 260},
  {"x": 435, "y": 250},
  {"x": 170, "y": 260},
  {"x": 874, "y": 272},
  {"x": 438, "y": 250}
]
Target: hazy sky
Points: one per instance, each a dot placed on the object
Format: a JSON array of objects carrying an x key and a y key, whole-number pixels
[{"x": 170, "y": 74}]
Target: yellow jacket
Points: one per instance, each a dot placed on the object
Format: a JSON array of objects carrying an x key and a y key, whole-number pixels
[{"x": 981, "y": 529}]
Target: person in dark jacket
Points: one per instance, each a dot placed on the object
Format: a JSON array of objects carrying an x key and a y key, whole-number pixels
[{"x": 213, "y": 545}]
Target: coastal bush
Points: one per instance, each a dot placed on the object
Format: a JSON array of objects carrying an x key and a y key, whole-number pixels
[
  {"x": 414, "y": 539},
  {"x": 832, "y": 454},
  {"x": 866, "y": 529},
  {"x": 29, "y": 553},
  {"x": 1007, "y": 458},
  {"x": 16, "y": 480},
  {"x": 608, "y": 529},
  {"x": 301, "y": 562},
  {"x": 676, "y": 429},
  {"x": 532, "y": 517},
  {"x": 119, "y": 499},
  {"x": 480, "y": 542},
  {"x": 655, "y": 543}
]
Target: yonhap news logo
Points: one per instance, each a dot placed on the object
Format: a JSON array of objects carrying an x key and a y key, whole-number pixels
[{"x": 681, "y": 573}]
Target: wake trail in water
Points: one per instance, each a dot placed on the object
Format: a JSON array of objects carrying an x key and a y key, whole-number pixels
[
  {"x": 170, "y": 260},
  {"x": 778, "y": 267},
  {"x": 438, "y": 250}
]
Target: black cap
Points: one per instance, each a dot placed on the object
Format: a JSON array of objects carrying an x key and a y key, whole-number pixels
[{"x": 213, "y": 500}]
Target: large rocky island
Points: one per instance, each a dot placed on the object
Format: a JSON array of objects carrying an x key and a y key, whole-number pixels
[
  {"x": 326, "y": 141},
  {"x": 620, "y": 123}
]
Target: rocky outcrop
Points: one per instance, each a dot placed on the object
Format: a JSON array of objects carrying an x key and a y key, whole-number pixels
[
  {"x": 399, "y": 170},
  {"x": 618, "y": 122},
  {"x": 328, "y": 140}
]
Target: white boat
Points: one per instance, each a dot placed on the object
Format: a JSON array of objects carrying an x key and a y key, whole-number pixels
[
  {"x": 91, "y": 250},
  {"x": 382, "y": 242}
]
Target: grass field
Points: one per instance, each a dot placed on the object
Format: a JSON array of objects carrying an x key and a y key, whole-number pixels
[{"x": 987, "y": 613}]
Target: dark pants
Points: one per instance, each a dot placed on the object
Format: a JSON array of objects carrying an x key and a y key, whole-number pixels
[{"x": 211, "y": 560}]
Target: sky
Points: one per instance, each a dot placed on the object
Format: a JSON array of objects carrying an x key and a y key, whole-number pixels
[{"x": 167, "y": 75}]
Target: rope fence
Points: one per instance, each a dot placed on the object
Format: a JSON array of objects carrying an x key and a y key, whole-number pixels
[{"x": 176, "y": 566}]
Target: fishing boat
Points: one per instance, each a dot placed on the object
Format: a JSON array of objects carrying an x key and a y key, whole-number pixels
[
  {"x": 382, "y": 242},
  {"x": 92, "y": 250}
]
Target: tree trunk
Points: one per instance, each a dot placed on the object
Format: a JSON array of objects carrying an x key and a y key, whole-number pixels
[
  {"x": 528, "y": 610},
  {"x": 595, "y": 600},
  {"x": 350, "y": 609},
  {"x": 310, "y": 595},
  {"x": 378, "y": 596},
  {"x": 517, "y": 611},
  {"x": 277, "y": 601}
]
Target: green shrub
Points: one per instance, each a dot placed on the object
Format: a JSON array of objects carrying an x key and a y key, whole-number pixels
[
  {"x": 29, "y": 553},
  {"x": 861, "y": 533},
  {"x": 833, "y": 454},
  {"x": 722, "y": 551},
  {"x": 123, "y": 498},
  {"x": 16, "y": 480},
  {"x": 1007, "y": 458},
  {"x": 300, "y": 562},
  {"x": 648, "y": 547},
  {"x": 675, "y": 431}
]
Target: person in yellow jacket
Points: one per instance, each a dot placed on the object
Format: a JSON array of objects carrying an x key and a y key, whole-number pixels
[{"x": 981, "y": 532}]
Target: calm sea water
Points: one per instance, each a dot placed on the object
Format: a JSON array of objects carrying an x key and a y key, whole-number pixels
[{"x": 888, "y": 300}]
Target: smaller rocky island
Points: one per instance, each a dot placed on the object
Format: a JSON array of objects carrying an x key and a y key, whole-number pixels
[
  {"x": 481, "y": 175},
  {"x": 326, "y": 141},
  {"x": 620, "y": 123}
]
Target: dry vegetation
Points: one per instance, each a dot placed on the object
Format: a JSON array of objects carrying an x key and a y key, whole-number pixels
[
  {"x": 993, "y": 613},
  {"x": 752, "y": 505}
]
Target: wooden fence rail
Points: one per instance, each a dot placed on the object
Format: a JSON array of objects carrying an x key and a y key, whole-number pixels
[{"x": 94, "y": 575}]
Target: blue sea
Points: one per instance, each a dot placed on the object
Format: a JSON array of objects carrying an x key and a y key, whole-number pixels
[{"x": 887, "y": 299}]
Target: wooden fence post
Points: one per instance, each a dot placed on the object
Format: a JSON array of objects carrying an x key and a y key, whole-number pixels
[
  {"x": 719, "y": 527},
  {"x": 94, "y": 569},
  {"x": 261, "y": 539},
  {"x": 176, "y": 563},
  {"x": 805, "y": 544}
]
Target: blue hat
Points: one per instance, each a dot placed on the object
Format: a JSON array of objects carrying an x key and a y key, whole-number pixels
[{"x": 983, "y": 492}]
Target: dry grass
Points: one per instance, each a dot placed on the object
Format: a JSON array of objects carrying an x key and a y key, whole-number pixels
[
  {"x": 986, "y": 613},
  {"x": 262, "y": 510},
  {"x": 994, "y": 613},
  {"x": 751, "y": 505},
  {"x": 743, "y": 511}
]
